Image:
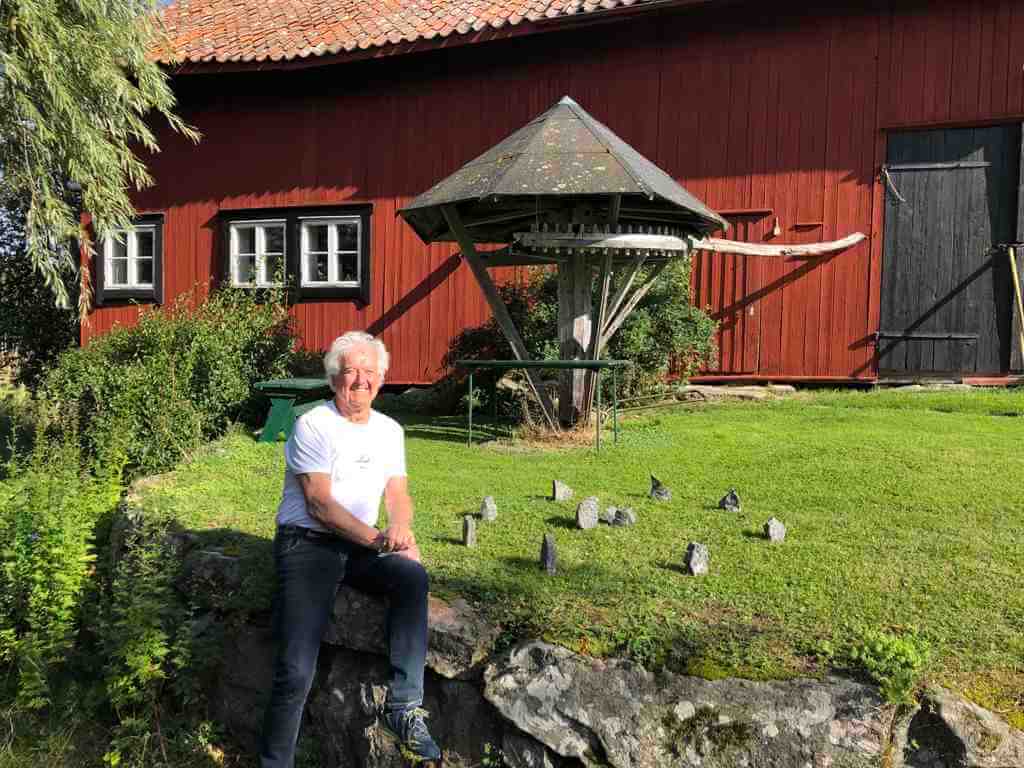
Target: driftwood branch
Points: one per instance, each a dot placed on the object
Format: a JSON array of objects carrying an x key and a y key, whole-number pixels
[{"x": 718, "y": 245}]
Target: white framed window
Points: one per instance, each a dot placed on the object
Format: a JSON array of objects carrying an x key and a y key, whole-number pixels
[
  {"x": 257, "y": 252},
  {"x": 330, "y": 248},
  {"x": 130, "y": 258}
]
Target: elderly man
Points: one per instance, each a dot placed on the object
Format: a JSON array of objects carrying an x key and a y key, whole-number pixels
[{"x": 341, "y": 458}]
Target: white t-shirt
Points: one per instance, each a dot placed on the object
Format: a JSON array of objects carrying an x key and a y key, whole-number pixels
[{"x": 360, "y": 458}]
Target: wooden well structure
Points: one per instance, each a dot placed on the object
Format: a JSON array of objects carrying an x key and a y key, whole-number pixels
[{"x": 564, "y": 190}]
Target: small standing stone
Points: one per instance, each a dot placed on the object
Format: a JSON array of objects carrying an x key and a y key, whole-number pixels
[
  {"x": 587, "y": 513},
  {"x": 659, "y": 491},
  {"x": 549, "y": 555},
  {"x": 774, "y": 530},
  {"x": 698, "y": 559},
  {"x": 730, "y": 502},
  {"x": 488, "y": 509},
  {"x": 469, "y": 530},
  {"x": 608, "y": 516},
  {"x": 623, "y": 517},
  {"x": 560, "y": 491}
]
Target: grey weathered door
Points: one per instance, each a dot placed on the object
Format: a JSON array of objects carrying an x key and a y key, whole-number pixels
[{"x": 951, "y": 198}]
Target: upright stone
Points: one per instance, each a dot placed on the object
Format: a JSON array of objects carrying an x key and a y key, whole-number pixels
[
  {"x": 623, "y": 517},
  {"x": 549, "y": 555},
  {"x": 587, "y": 513},
  {"x": 658, "y": 491},
  {"x": 730, "y": 502},
  {"x": 469, "y": 530},
  {"x": 560, "y": 491},
  {"x": 488, "y": 509},
  {"x": 698, "y": 559},
  {"x": 774, "y": 530}
]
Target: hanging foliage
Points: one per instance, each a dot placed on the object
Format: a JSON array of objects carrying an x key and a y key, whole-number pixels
[{"x": 77, "y": 89}]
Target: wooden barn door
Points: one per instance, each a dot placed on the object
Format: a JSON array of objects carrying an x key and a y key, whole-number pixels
[{"x": 951, "y": 197}]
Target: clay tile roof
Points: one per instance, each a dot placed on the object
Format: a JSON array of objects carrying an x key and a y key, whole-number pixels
[{"x": 274, "y": 30}]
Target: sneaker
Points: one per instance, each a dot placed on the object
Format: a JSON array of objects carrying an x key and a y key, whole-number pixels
[{"x": 407, "y": 726}]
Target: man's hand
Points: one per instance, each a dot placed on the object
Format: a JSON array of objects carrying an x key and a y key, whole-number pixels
[{"x": 397, "y": 537}]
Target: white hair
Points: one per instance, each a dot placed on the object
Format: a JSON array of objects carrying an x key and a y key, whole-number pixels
[{"x": 341, "y": 346}]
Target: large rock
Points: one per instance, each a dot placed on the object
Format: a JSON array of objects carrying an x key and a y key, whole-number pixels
[
  {"x": 244, "y": 684},
  {"x": 459, "y": 638},
  {"x": 618, "y": 714},
  {"x": 950, "y": 732},
  {"x": 344, "y": 709}
]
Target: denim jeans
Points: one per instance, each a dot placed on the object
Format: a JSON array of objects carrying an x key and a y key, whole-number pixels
[{"x": 309, "y": 571}]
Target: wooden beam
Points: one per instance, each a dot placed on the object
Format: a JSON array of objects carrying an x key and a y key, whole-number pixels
[
  {"x": 596, "y": 346},
  {"x": 602, "y": 240},
  {"x": 617, "y": 320},
  {"x": 501, "y": 315},
  {"x": 620, "y": 292},
  {"x": 717, "y": 245}
]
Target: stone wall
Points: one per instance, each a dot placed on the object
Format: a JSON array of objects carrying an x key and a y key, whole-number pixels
[{"x": 546, "y": 707}]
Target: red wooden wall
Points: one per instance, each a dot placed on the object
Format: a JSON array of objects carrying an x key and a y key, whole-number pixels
[{"x": 782, "y": 108}]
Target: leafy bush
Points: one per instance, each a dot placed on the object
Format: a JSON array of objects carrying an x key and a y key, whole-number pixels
[
  {"x": 157, "y": 390},
  {"x": 893, "y": 661},
  {"x": 48, "y": 512},
  {"x": 31, "y": 325},
  {"x": 664, "y": 330}
]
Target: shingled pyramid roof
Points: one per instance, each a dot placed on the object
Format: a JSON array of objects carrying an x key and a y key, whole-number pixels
[{"x": 563, "y": 153}]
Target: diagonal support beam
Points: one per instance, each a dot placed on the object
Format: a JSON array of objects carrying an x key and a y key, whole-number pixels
[
  {"x": 629, "y": 306},
  {"x": 501, "y": 315}
]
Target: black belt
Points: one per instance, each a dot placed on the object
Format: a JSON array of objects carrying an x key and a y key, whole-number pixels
[{"x": 309, "y": 533}]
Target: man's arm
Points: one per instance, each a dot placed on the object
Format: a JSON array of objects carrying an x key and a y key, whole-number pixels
[
  {"x": 398, "y": 504},
  {"x": 316, "y": 486}
]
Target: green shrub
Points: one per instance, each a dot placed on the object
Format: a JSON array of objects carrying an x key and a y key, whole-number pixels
[
  {"x": 48, "y": 513},
  {"x": 893, "y": 661},
  {"x": 665, "y": 330},
  {"x": 157, "y": 390}
]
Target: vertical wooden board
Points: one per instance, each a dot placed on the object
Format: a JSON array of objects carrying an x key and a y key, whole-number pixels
[
  {"x": 938, "y": 65},
  {"x": 915, "y": 83},
  {"x": 1015, "y": 67},
  {"x": 966, "y": 58},
  {"x": 811, "y": 192},
  {"x": 1001, "y": 58},
  {"x": 772, "y": 270},
  {"x": 988, "y": 41}
]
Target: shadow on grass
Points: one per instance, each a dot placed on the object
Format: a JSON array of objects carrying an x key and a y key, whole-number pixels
[{"x": 561, "y": 522}]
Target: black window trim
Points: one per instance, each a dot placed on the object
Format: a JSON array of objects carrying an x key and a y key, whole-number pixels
[
  {"x": 292, "y": 216},
  {"x": 106, "y": 296}
]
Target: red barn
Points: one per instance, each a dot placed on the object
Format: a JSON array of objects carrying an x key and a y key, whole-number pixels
[{"x": 797, "y": 123}]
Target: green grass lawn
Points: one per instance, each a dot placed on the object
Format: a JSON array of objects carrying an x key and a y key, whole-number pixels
[{"x": 905, "y": 512}]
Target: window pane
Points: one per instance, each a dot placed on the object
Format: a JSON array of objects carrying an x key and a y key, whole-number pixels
[
  {"x": 273, "y": 239},
  {"x": 346, "y": 267},
  {"x": 119, "y": 271},
  {"x": 348, "y": 235},
  {"x": 144, "y": 242},
  {"x": 119, "y": 249},
  {"x": 316, "y": 268},
  {"x": 272, "y": 265},
  {"x": 246, "y": 239},
  {"x": 246, "y": 271},
  {"x": 144, "y": 271},
  {"x": 317, "y": 237}
]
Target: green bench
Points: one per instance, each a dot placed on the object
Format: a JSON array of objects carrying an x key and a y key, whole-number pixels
[{"x": 289, "y": 399}]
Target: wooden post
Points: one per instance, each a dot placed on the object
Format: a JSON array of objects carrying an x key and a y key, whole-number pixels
[
  {"x": 1017, "y": 355},
  {"x": 596, "y": 347},
  {"x": 501, "y": 315},
  {"x": 574, "y": 333}
]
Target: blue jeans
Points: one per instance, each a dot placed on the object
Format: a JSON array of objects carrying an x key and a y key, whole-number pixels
[{"x": 309, "y": 570}]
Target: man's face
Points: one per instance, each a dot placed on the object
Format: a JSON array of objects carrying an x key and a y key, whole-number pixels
[{"x": 359, "y": 380}]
